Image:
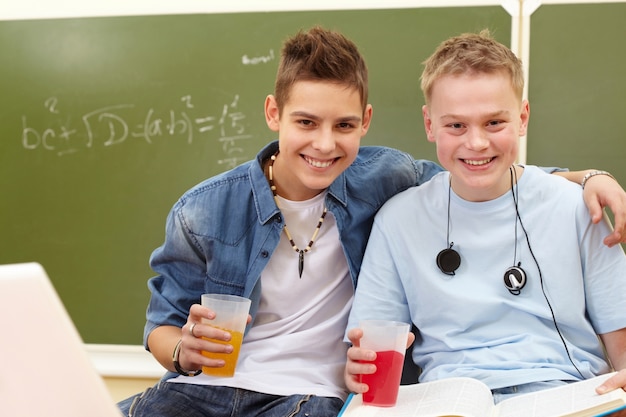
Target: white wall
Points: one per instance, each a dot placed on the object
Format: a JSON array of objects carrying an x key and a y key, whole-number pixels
[
  {"x": 43, "y": 9},
  {"x": 49, "y": 9}
]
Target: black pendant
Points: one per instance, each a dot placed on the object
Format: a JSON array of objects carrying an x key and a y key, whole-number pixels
[{"x": 301, "y": 263}]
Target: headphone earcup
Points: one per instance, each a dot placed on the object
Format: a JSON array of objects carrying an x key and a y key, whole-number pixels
[
  {"x": 448, "y": 261},
  {"x": 514, "y": 279}
]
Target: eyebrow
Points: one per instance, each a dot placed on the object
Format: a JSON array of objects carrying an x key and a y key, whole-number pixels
[
  {"x": 314, "y": 117},
  {"x": 498, "y": 113}
]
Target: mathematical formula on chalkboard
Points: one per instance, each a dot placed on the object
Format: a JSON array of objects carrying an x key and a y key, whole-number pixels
[{"x": 117, "y": 124}]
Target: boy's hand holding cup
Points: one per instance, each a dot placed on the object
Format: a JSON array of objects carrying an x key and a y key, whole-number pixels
[
  {"x": 231, "y": 315},
  {"x": 388, "y": 339}
]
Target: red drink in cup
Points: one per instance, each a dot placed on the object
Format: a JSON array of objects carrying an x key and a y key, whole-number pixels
[{"x": 388, "y": 339}]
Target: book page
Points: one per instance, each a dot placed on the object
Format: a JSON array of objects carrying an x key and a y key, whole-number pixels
[
  {"x": 562, "y": 401},
  {"x": 462, "y": 397}
]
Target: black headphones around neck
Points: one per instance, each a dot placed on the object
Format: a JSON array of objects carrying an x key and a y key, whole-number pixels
[{"x": 449, "y": 260}]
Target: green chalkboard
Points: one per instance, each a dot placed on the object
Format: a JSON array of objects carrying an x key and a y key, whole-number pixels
[
  {"x": 105, "y": 122},
  {"x": 577, "y": 87}
]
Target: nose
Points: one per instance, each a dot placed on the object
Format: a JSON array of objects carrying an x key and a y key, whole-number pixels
[
  {"x": 324, "y": 141},
  {"x": 476, "y": 140}
]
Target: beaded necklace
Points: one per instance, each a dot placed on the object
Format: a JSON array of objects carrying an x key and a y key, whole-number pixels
[{"x": 299, "y": 251}]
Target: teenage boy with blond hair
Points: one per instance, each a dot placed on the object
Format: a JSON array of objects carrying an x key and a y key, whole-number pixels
[{"x": 499, "y": 266}]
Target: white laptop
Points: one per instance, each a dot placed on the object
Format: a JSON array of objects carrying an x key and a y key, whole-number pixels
[{"x": 45, "y": 370}]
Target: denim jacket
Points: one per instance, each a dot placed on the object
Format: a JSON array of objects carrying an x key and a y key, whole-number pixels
[{"x": 222, "y": 232}]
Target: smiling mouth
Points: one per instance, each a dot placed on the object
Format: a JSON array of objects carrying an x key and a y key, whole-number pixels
[
  {"x": 317, "y": 163},
  {"x": 477, "y": 162}
]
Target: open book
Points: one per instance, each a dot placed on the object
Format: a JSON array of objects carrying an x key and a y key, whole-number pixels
[{"x": 467, "y": 397}]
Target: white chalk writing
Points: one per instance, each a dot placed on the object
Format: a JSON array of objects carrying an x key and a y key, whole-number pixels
[
  {"x": 116, "y": 124},
  {"x": 255, "y": 60}
]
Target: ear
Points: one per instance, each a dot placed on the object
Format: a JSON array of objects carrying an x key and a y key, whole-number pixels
[
  {"x": 428, "y": 123},
  {"x": 524, "y": 118},
  {"x": 367, "y": 119},
  {"x": 272, "y": 117}
]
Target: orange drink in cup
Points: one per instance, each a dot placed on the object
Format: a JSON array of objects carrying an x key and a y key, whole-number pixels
[{"x": 231, "y": 315}]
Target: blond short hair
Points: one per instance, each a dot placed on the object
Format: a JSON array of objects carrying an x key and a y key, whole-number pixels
[{"x": 471, "y": 53}]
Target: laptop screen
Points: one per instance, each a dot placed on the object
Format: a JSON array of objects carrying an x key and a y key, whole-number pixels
[{"x": 45, "y": 368}]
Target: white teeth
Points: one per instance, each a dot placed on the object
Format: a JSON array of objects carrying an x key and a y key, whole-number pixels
[
  {"x": 481, "y": 162},
  {"x": 319, "y": 164}
]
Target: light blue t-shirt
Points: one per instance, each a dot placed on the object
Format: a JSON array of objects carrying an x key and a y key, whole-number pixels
[{"x": 469, "y": 324}]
